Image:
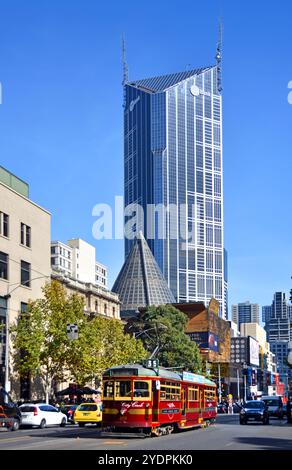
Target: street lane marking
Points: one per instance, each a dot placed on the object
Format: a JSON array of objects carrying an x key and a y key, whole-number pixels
[
  {"x": 229, "y": 444},
  {"x": 11, "y": 439},
  {"x": 122, "y": 443}
]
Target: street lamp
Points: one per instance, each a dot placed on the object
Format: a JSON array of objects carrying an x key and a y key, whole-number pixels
[{"x": 7, "y": 297}]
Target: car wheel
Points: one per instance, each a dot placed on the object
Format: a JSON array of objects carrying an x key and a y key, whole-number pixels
[
  {"x": 15, "y": 425},
  {"x": 63, "y": 423},
  {"x": 43, "y": 424},
  {"x": 81, "y": 425}
]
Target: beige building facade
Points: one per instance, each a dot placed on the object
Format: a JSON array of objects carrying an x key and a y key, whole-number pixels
[
  {"x": 97, "y": 300},
  {"x": 25, "y": 232},
  {"x": 257, "y": 332}
]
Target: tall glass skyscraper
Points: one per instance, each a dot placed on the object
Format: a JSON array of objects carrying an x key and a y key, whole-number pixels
[{"x": 173, "y": 160}]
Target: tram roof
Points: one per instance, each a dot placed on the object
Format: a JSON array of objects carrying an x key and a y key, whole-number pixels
[{"x": 141, "y": 371}]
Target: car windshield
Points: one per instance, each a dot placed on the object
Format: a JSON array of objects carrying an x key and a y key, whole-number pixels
[
  {"x": 27, "y": 409},
  {"x": 254, "y": 404},
  {"x": 272, "y": 402},
  {"x": 87, "y": 407}
]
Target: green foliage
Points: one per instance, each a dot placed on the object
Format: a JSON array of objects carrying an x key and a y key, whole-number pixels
[
  {"x": 165, "y": 326},
  {"x": 42, "y": 348}
]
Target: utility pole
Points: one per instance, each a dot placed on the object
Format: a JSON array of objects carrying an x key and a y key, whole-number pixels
[
  {"x": 219, "y": 380},
  {"x": 238, "y": 386}
]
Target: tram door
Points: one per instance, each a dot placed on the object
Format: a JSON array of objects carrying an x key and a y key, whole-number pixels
[
  {"x": 155, "y": 400},
  {"x": 184, "y": 401},
  {"x": 202, "y": 404}
]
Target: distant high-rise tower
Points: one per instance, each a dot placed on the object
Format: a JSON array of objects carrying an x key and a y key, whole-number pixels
[
  {"x": 173, "y": 158},
  {"x": 245, "y": 312},
  {"x": 279, "y": 333}
]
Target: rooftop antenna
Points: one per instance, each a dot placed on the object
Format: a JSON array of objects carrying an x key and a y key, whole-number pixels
[
  {"x": 125, "y": 68},
  {"x": 218, "y": 56}
]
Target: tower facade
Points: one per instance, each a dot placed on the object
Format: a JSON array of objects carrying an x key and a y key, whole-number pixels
[
  {"x": 245, "y": 312},
  {"x": 173, "y": 171}
]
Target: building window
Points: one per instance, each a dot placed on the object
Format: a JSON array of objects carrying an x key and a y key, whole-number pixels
[
  {"x": 4, "y": 224},
  {"x": 3, "y": 265},
  {"x": 25, "y": 274},
  {"x": 114, "y": 312},
  {"x": 25, "y": 235},
  {"x": 23, "y": 308},
  {"x": 105, "y": 309}
]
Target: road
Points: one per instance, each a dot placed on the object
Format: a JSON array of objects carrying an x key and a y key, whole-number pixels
[{"x": 226, "y": 434}]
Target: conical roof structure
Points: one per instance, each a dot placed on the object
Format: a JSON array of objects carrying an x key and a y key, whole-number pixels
[{"x": 140, "y": 282}]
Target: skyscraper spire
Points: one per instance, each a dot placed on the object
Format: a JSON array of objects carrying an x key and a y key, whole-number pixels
[
  {"x": 218, "y": 56},
  {"x": 125, "y": 64},
  {"x": 125, "y": 68}
]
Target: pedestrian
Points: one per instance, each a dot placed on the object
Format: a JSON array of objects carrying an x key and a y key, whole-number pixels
[
  {"x": 4, "y": 399},
  {"x": 289, "y": 410}
]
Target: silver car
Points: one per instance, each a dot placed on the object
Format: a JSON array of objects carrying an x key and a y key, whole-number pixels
[{"x": 275, "y": 405}]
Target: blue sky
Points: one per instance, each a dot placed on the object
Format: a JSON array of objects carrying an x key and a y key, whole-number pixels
[{"x": 61, "y": 117}]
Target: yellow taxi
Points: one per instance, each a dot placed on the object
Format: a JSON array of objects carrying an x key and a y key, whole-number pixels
[{"x": 88, "y": 413}]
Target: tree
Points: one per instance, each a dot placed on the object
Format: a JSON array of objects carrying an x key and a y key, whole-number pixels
[
  {"x": 103, "y": 344},
  {"x": 43, "y": 349},
  {"x": 164, "y": 326}
]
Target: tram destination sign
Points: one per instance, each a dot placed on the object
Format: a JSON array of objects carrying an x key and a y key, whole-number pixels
[{"x": 151, "y": 363}]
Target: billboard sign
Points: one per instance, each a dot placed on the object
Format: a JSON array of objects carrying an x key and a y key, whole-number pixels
[
  {"x": 201, "y": 338},
  {"x": 205, "y": 340},
  {"x": 254, "y": 352},
  {"x": 213, "y": 342}
]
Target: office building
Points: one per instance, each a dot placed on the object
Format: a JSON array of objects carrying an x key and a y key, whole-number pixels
[
  {"x": 279, "y": 334},
  {"x": 97, "y": 300},
  {"x": 24, "y": 264},
  {"x": 278, "y": 322},
  {"x": 266, "y": 313},
  {"x": 245, "y": 312},
  {"x": 77, "y": 259},
  {"x": 173, "y": 161},
  {"x": 255, "y": 331}
]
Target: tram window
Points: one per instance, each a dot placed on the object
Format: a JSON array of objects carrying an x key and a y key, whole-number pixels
[
  {"x": 210, "y": 394},
  {"x": 141, "y": 389},
  {"x": 170, "y": 391},
  {"x": 123, "y": 389},
  {"x": 108, "y": 390},
  {"x": 193, "y": 394}
]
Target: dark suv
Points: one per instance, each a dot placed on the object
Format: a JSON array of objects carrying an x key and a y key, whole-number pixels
[
  {"x": 10, "y": 416},
  {"x": 254, "y": 410}
]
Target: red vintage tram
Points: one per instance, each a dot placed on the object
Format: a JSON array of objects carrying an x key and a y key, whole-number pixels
[{"x": 156, "y": 401}]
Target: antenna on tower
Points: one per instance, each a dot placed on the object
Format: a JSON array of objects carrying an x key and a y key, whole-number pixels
[
  {"x": 125, "y": 68},
  {"x": 218, "y": 56}
]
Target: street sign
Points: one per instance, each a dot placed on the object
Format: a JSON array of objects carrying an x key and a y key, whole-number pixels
[{"x": 72, "y": 331}]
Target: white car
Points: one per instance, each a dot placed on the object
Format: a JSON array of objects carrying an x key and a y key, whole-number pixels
[{"x": 41, "y": 415}]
